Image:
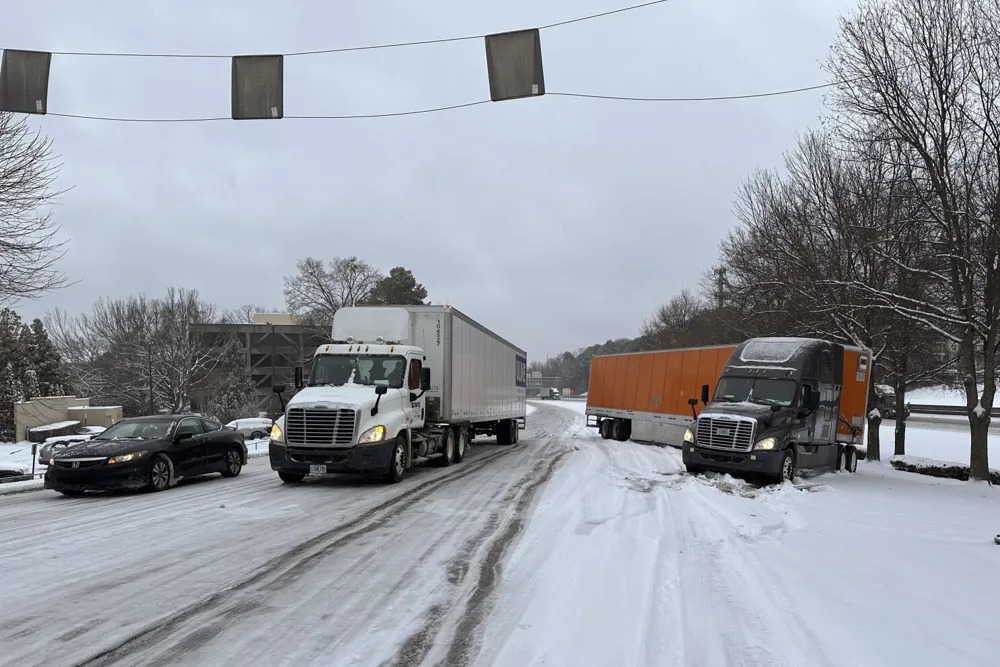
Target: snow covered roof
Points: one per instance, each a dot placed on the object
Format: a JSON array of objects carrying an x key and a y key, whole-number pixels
[
  {"x": 95, "y": 407},
  {"x": 771, "y": 350}
]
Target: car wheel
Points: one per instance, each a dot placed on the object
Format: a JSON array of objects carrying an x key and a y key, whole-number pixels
[
  {"x": 159, "y": 473},
  {"x": 291, "y": 477},
  {"x": 234, "y": 463},
  {"x": 397, "y": 464},
  {"x": 257, "y": 435}
]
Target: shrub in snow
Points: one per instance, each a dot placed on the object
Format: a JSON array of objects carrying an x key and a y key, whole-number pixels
[{"x": 931, "y": 468}]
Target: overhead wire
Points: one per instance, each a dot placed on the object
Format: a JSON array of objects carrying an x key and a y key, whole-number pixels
[{"x": 348, "y": 49}]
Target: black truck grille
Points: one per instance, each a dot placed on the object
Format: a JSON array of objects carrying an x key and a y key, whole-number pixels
[
  {"x": 320, "y": 427},
  {"x": 732, "y": 434}
]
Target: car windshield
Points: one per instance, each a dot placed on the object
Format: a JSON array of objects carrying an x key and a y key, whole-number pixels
[
  {"x": 365, "y": 369},
  {"x": 756, "y": 390},
  {"x": 137, "y": 429}
]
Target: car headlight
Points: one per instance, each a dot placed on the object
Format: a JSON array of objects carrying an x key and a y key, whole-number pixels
[
  {"x": 689, "y": 436},
  {"x": 276, "y": 434},
  {"x": 125, "y": 458},
  {"x": 767, "y": 443},
  {"x": 52, "y": 461},
  {"x": 372, "y": 435}
]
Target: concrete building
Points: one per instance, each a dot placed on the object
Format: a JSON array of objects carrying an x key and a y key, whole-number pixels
[
  {"x": 274, "y": 345},
  {"x": 61, "y": 410}
]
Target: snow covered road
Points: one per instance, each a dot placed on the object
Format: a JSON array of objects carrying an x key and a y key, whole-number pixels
[{"x": 562, "y": 550}]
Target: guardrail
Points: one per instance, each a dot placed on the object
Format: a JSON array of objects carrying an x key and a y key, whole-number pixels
[{"x": 952, "y": 410}]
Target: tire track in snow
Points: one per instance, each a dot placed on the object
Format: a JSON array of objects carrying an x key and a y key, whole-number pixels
[
  {"x": 280, "y": 570},
  {"x": 462, "y": 612}
]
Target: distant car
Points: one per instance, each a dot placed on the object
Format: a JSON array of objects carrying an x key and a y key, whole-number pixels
[
  {"x": 12, "y": 471},
  {"x": 51, "y": 445},
  {"x": 252, "y": 428},
  {"x": 147, "y": 453}
]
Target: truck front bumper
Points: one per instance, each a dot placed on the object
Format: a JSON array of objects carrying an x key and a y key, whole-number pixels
[
  {"x": 355, "y": 460},
  {"x": 760, "y": 462}
]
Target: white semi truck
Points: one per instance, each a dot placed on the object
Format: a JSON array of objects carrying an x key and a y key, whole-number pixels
[{"x": 399, "y": 385}]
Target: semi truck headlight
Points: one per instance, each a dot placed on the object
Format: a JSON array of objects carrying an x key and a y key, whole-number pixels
[
  {"x": 372, "y": 435},
  {"x": 766, "y": 444},
  {"x": 689, "y": 436},
  {"x": 276, "y": 434}
]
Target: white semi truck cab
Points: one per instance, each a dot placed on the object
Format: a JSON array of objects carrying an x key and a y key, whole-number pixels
[{"x": 375, "y": 402}]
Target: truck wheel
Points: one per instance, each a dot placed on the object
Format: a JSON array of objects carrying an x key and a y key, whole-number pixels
[
  {"x": 291, "y": 477},
  {"x": 504, "y": 435},
  {"x": 461, "y": 442},
  {"x": 605, "y": 429},
  {"x": 851, "y": 460},
  {"x": 787, "y": 469},
  {"x": 515, "y": 432},
  {"x": 622, "y": 430},
  {"x": 397, "y": 464},
  {"x": 447, "y": 448}
]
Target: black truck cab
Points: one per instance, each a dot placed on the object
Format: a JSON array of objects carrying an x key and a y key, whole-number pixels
[{"x": 776, "y": 412}]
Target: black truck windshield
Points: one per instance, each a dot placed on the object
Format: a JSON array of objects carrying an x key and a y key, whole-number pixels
[
  {"x": 367, "y": 369},
  {"x": 755, "y": 390}
]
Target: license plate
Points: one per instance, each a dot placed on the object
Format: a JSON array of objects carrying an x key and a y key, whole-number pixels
[
  {"x": 724, "y": 432},
  {"x": 317, "y": 470}
]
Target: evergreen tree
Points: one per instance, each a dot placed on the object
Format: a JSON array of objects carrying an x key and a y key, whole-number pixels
[
  {"x": 9, "y": 395},
  {"x": 399, "y": 288}
]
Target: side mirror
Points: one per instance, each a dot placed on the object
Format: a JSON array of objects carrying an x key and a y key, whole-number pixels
[
  {"x": 381, "y": 389},
  {"x": 425, "y": 379},
  {"x": 181, "y": 437},
  {"x": 298, "y": 377},
  {"x": 775, "y": 408},
  {"x": 692, "y": 402},
  {"x": 814, "y": 400},
  {"x": 704, "y": 393},
  {"x": 278, "y": 389}
]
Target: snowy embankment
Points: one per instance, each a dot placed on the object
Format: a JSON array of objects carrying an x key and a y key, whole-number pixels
[{"x": 641, "y": 565}]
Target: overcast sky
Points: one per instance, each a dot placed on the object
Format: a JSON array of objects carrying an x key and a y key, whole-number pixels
[{"x": 557, "y": 222}]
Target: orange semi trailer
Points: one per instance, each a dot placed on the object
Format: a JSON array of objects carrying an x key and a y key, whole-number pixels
[{"x": 770, "y": 406}]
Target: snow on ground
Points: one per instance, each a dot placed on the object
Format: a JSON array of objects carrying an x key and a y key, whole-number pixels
[
  {"x": 562, "y": 550},
  {"x": 937, "y": 396},
  {"x": 644, "y": 567}
]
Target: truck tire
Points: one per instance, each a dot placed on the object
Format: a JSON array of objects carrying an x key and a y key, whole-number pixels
[
  {"x": 397, "y": 463},
  {"x": 461, "y": 444},
  {"x": 851, "y": 459},
  {"x": 291, "y": 477},
  {"x": 786, "y": 471},
  {"x": 504, "y": 435},
  {"x": 621, "y": 430},
  {"x": 515, "y": 432},
  {"x": 447, "y": 448},
  {"x": 605, "y": 429}
]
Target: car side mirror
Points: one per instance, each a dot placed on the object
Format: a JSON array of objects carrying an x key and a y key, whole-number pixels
[
  {"x": 278, "y": 389},
  {"x": 298, "y": 377},
  {"x": 381, "y": 389},
  {"x": 425, "y": 379},
  {"x": 704, "y": 394},
  {"x": 181, "y": 437}
]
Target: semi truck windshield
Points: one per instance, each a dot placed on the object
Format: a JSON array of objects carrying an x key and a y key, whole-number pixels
[
  {"x": 755, "y": 390},
  {"x": 369, "y": 369}
]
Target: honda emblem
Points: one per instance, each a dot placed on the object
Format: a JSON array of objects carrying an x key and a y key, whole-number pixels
[{"x": 76, "y": 464}]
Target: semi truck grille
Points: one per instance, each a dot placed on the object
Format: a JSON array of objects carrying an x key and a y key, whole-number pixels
[
  {"x": 320, "y": 427},
  {"x": 720, "y": 433}
]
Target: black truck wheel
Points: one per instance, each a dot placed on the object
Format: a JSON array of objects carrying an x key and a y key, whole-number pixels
[
  {"x": 461, "y": 443},
  {"x": 605, "y": 429},
  {"x": 291, "y": 477},
  {"x": 397, "y": 464},
  {"x": 447, "y": 448},
  {"x": 787, "y": 469},
  {"x": 504, "y": 435},
  {"x": 851, "y": 459}
]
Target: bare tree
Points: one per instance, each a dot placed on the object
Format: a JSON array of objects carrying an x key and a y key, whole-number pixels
[
  {"x": 139, "y": 350},
  {"x": 316, "y": 292},
  {"x": 29, "y": 249},
  {"x": 922, "y": 76}
]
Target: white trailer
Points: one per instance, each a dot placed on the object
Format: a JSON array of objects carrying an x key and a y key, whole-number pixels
[{"x": 399, "y": 385}]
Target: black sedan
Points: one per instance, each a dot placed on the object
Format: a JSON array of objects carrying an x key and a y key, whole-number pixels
[{"x": 147, "y": 453}]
